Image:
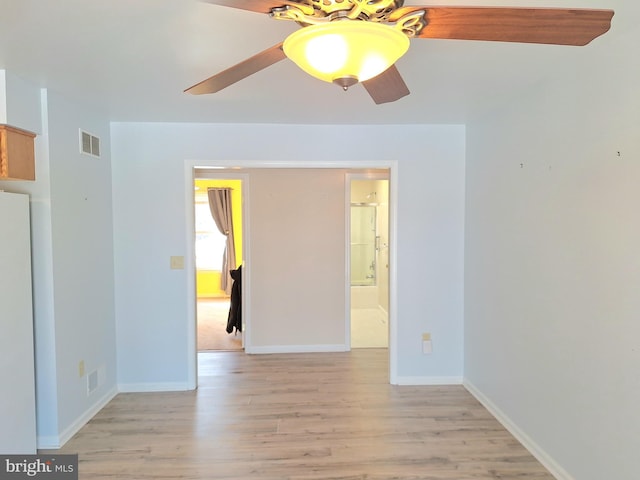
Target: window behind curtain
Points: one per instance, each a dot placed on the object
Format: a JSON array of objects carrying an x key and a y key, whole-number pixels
[{"x": 209, "y": 241}]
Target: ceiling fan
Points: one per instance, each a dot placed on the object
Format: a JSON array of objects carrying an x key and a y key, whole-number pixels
[{"x": 351, "y": 41}]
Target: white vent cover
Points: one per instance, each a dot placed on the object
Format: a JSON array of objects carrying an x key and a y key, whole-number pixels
[
  {"x": 92, "y": 382},
  {"x": 89, "y": 144}
]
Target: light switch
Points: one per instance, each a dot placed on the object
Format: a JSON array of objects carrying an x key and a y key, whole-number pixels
[
  {"x": 427, "y": 348},
  {"x": 177, "y": 263}
]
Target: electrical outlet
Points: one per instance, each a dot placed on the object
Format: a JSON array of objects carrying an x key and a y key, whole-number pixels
[{"x": 81, "y": 368}]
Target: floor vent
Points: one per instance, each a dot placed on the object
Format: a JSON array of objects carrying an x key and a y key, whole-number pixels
[
  {"x": 89, "y": 144},
  {"x": 92, "y": 382}
]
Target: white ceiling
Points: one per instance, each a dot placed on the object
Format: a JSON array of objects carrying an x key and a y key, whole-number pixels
[{"x": 134, "y": 58}]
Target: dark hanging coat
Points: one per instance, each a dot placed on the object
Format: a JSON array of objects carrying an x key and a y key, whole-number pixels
[{"x": 235, "y": 310}]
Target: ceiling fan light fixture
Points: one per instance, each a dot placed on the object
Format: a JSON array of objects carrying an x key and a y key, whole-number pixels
[{"x": 346, "y": 51}]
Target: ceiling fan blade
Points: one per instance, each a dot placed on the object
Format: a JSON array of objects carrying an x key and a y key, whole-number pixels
[
  {"x": 236, "y": 73},
  {"x": 386, "y": 87},
  {"x": 556, "y": 26},
  {"x": 258, "y": 6}
]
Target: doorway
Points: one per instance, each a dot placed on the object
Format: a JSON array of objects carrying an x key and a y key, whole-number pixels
[
  {"x": 369, "y": 261},
  {"x": 242, "y": 170},
  {"x": 213, "y": 302}
]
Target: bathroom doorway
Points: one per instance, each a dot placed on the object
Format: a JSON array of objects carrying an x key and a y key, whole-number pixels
[{"x": 369, "y": 261}]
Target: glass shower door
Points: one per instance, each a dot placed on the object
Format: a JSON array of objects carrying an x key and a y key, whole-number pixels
[{"x": 363, "y": 245}]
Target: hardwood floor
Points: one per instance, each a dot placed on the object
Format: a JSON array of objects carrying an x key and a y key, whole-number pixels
[{"x": 300, "y": 417}]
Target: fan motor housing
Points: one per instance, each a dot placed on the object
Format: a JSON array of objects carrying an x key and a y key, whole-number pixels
[{"x": 323, "y": 10}]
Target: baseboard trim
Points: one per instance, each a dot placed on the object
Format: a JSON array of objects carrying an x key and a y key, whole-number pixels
[
  {"x": 405, "y": 380},
  {"x": 49, "y": 442},
  {"x": 55, "y": 442},
  {"x": 153, "y": 387},
  {"x": 538, "y": 452},
  {"x": 296, "y": 349}
]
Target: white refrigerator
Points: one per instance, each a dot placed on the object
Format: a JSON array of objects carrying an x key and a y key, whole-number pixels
[{"x": 17, "y": 376}]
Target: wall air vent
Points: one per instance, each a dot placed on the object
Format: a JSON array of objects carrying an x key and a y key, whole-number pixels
[
  {"x": 92, "y": 382},
  {"x": 89, "y": 144}
]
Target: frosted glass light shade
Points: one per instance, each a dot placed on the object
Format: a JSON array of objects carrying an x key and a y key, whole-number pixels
[{"x": 346, "y": 51}]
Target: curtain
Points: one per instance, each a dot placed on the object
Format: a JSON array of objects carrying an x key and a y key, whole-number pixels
[{"x": 220, "y": 206}]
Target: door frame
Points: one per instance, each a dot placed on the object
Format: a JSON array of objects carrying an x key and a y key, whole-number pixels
[
  {"x": 215, "y": 174},
  {"x": 349, "y": 178},
  {"x": 227, "y": 167}
]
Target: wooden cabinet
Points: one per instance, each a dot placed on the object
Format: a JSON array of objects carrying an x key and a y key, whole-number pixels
[{"x": 17, "y": 157}]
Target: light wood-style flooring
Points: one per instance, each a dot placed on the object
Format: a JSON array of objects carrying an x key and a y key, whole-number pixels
[{"x": 300, "y": 417}]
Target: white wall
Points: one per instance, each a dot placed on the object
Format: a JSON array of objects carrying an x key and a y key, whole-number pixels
[
  {"x": 19, "y": 102},
  {"x": 72, "y": 252},
  {"x": 82, "y": 239},
  {"x": 22, "y": 103},
  {"x": 552, "y": 271},
  {"x": 150, "y": 226},
  {"x": 3, "y": 96},
  {"x": 297, "y": 246}
]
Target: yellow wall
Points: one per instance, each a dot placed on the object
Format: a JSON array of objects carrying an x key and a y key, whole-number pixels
[
  {"x": 208, "y": 281},
  {"x": 208, "y": 284}
]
